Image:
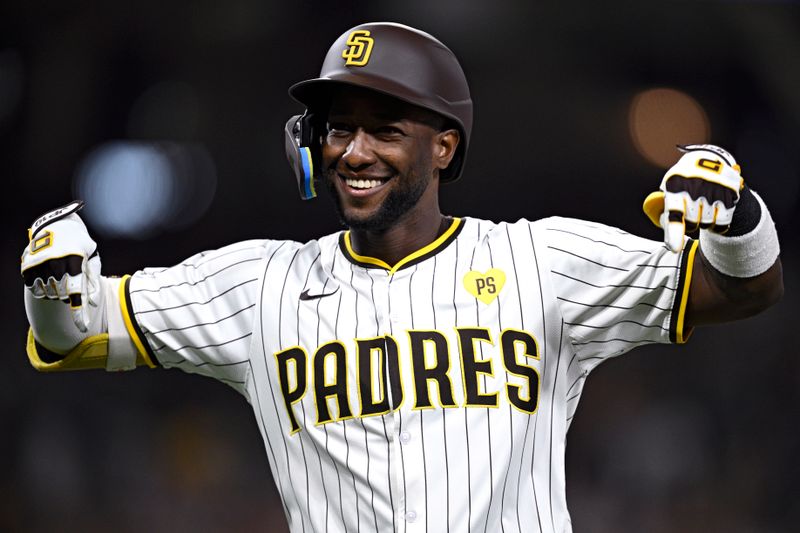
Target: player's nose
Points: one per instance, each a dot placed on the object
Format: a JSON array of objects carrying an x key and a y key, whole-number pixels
[{"x": 360, "y": 150}]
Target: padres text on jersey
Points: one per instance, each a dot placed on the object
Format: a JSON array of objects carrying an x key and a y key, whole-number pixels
[{"x": 431, "y": 395}]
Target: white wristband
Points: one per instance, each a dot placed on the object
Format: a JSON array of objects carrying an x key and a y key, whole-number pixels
[
  {"x": 747, "y": 255},
  {"x": 121, "y": 350}
]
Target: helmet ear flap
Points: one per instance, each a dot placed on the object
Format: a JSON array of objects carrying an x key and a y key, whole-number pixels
[{"x": 303, "y": 151}]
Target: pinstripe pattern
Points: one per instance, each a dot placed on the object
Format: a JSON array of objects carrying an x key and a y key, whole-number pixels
[{"x": 580, "y": 292}]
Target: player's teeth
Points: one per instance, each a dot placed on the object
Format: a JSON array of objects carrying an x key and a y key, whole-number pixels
[{"x": 362, "y": 184}]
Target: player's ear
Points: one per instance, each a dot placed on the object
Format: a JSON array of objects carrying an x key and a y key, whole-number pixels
[{"x": 444, "y": 147}]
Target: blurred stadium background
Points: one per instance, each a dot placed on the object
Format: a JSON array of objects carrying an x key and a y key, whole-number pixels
[{"x": 167, "y": 118}]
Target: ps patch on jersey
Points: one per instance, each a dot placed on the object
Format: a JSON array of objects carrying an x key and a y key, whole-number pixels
[
  {"x": 414, "y": 387},
  {"x": 485, "y": 286}
]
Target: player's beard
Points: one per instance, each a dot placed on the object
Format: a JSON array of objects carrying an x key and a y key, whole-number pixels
[{"x": 398, "y": 202}]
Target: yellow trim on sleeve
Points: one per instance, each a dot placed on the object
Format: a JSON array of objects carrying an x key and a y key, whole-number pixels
[
  {"x": 127, "y": 318},
  {"x": 410, "y": 257},
  {"x": 680, "y": 337}
]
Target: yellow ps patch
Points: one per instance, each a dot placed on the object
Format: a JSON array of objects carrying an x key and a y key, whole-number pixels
[
  {"x": 485, "y": 286},
  {"x": 359, "y": 48}
]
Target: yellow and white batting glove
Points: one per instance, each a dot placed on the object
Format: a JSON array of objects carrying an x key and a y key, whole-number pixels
[
  {"x": 61, "y": 263},
  {"x": 700, "y": 191}
]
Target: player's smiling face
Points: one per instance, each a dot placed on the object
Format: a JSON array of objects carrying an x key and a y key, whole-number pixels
[{"x": 381, "y": 158}]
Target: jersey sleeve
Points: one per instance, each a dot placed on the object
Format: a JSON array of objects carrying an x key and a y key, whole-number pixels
[
  {"x": 616, "y": 290},
  {"x": 198, "y": 315}
]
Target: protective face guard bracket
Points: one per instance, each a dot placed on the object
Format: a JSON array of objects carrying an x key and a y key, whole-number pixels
[{"x": 302, "y": 151}]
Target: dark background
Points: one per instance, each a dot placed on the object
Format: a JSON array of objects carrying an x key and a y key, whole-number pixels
[{"x": 696, "y": 438}]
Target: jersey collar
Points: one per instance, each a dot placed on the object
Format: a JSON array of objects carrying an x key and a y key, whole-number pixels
[{"x": 411, "y": 259}]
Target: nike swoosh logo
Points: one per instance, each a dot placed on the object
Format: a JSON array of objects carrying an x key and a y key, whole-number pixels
[{"x": 305, "y": 296}]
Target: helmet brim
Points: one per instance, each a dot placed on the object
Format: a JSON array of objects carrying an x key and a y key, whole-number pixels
[{"x": 316, "y": 93}]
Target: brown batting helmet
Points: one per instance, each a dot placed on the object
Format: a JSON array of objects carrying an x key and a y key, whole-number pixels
[{"x": 402, "y": 62}]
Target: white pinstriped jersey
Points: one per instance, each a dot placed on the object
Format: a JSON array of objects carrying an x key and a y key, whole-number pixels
[{"x": 432, "y": 396}]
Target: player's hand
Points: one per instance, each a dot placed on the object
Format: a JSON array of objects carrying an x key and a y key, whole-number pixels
[
  {"x": 700, "y": 191},
  {"x": 61, "y": 262}
]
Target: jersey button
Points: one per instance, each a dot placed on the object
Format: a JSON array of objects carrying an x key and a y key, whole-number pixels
[
  {"x": 405, "y": 437},
  {"x": 411, "y": 516}
]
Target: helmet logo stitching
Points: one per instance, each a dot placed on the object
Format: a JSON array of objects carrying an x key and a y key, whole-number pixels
[{"x": 359, "y": 48}]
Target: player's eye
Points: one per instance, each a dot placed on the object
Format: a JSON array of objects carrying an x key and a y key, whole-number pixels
[
  {"x": 337, "y": 129},
  {"x": 389, "y": 131}
]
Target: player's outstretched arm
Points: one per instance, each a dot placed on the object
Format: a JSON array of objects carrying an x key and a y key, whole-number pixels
[
  {"x": 737, "y": 271},
  {"x": 74, "y": 312},
  {"x": 715, "y": 297}
]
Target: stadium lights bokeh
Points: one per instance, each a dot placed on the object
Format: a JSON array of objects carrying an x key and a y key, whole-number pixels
[
  {"x": 660, "y": 118},
  {"x": 135, "y": 190}
]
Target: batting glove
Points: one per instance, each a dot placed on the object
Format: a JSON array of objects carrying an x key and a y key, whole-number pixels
[
  {"x": 700, "y": 191},
  {"x": 61, "y": 262}
]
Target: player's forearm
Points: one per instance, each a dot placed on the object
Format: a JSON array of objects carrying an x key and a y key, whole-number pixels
[
  {"x": 717, "y": 298},
  {"x": 739, "y": 274}
]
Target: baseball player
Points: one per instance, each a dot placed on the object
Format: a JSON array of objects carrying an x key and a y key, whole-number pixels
[{"x": 415, "y": 371}]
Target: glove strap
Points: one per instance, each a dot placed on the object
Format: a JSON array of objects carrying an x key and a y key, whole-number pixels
[
  {"x": 53, "y": 216},
  {"x": 743, "y": 255}
]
